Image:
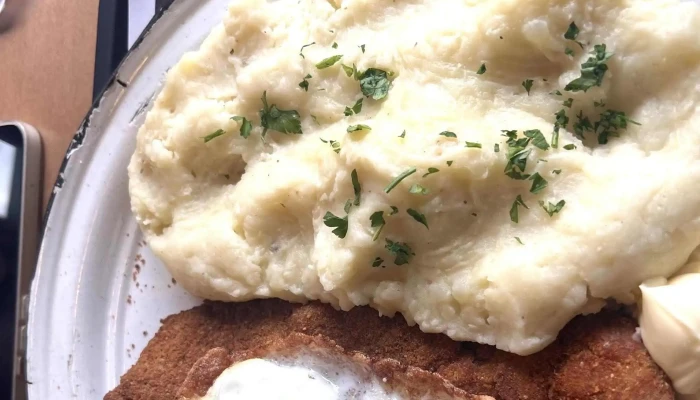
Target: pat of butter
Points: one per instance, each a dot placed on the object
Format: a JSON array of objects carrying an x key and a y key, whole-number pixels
[{"x": 670, "y": 324}]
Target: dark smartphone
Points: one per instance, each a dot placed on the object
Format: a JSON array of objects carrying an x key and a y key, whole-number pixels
[{"x": 20, "y": 169}]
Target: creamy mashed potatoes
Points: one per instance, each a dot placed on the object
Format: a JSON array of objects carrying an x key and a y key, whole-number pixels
[{"x": 237, "y": 217}]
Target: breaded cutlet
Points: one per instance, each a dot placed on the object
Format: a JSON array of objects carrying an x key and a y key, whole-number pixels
[{"x": 595, "y": 356}]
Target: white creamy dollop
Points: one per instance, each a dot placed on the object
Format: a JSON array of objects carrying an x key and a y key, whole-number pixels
[
  {"x": 241, "y": 218},
  {"x": 257, "y": 379},
  {"x": 670, "y": 324}
]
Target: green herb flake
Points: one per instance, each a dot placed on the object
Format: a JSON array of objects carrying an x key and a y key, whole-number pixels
[
  {"x": 335, "y": 145},
  {"x": 448, "y": 134},
  {"x": 340, "y": 224},
  {"x": 570, "y": 146},
  {"x": 377, "y": 221},
  {"x": 304, "y": 84},
  {"x": 394, "y": 211},
  {"x": 214, "y": 135},
  {"x": 610, "y": 124},
  {"x": 304, "y": 46},
  {"x": 600, "y": 103},
  {"x": 481, "y": 69},
  {"x": 527, "y": 84},
  {"x": 514, "y": 208},
  {"x": 377, "y": 262},
  {"x": 375, "y": 83},
  {"x": 356, "y": 187},
  {"x": 431, "y": 171},
  {"x": 355, "y": 109},
  {"x": 246, "y": 126},
  {"x": 334, "y": 45},
  {"x": 569, "y": 52},
  {"x": 538, "y": 183},
  {"x": 552, "y": 209},
  {"x": 362, "y": 47},
  {"x": 517, "y": 239},
  {"x": 496, "y": 148},
  {"x": 329, "y": 61},
  {"x": 348, "y": 206},
  {"x": 449, "y": 163},
  {"x": 472, "y": 145},
  {"x": 398, "y": 179},
  {"x": 418, "y": 189},
  {"x": 556, "y": 172},
  {"x": 401, "y": 251},
  {"x": 284, "y": 121},
  {"x": 538, "y": 139},
  {"x": 403, "y": 134},
  {"x": 572, "y": 32},
  {"x": 555, "y": 138},
  {"x": 568, "y": 102},
  {"x": 592, "y": 71},
  {"x": 350, "y": 71},
  {"x": 358, "y": 127},
  {"x": 582, "y": 125},
  {"x": 418, "y": 217}
]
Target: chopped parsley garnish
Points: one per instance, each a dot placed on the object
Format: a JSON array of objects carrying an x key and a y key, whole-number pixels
[
  {"x": 572, "y": 32},
  {"x": 561, "y": 121},
  {"x": 334, "y": 45},
  {"x": 418, "y": 189},
  {"x": 527, "y": 84},
  {"x": 375, "y": 83},
  {"x": 568, "y": 102},
  {"x": 431, "y": 171},
  {"x": 354, "y": 109},
  {"x": 377, "y": 221},
  {"x": 496, "y": 148},
  {"x": 304, "y": 84},
  {"x": 377, "y": 262},
  {"x": 538, "y": 139},
  {"x": 348, "y": 206},
  {"x": 610, "y": 124},
  {"x": 394, "y": 210},
  {"x": 302, "y": 48},
  {"x": 552, "y": 209},
  {"x": 351, "y": 71},
  {"x": 401, "y": 251},
  {"x": 570, "y": 146},
  {"x": 246, "y": 126},
  {"x": 359, "y": 127},
  {"x": 448, "y": 134},
  {"x": 335, "y": 145},
  {"x": 555, "y": 138},
  {"x": 600, "y": 103},
  {"x": 418, "y": 217},
  {"x": 356, "y": 187},
  {"x": 362, "y": 47},
  {"x": 340, "y": 224},
  {"x": 403, "y": 134},
  {"x": 538, "y": 183},
  {"x": 556, "y": 171},
  {"x": 329, "y": 61},
  {"x": 449, "y": 163},
  {"x": 517, "y": 154},
  {"x": 481, "y": 69},
  {"x": 582, "y": 125},
  {"x": 569, "y": 52},
  {"x": 514, "y": 208},
  {"x": 214, "y": 135},
  {"x": 556, "y": 93},
  {"x": 472, "y": 144},
  {"x": 285, "y": 121},
  {"x": 398, "y": 179},
  {"x": 592, "y": 71},
  {"x": 517, "y": 239}
]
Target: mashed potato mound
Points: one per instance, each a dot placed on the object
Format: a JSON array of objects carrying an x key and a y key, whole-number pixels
[{"x": 238, "y": 218}]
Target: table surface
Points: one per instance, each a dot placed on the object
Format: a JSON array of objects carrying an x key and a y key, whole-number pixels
[{"x": 46, "y": 72}]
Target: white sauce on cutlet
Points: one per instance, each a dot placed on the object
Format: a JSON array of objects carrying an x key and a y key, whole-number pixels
[{"x": 308, "y": 377}]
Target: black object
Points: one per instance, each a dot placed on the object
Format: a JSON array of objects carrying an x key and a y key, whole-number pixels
[
  {"x": 9, "y": 263},
  {"x": 112, "y": 41}
]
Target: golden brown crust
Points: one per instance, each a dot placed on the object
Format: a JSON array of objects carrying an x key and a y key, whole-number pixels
[{"x": 594, "y": 357}]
